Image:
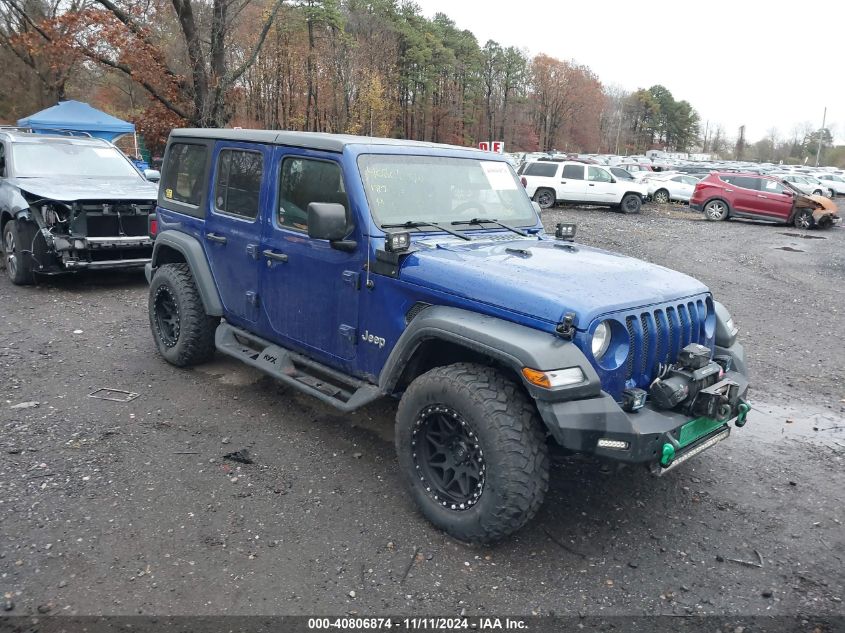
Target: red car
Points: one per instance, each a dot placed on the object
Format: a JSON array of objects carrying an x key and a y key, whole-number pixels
[{"x": 735, "y": 195}]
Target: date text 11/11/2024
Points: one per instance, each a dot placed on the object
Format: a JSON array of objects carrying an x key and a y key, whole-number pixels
[{"x": 417, "y": 624}]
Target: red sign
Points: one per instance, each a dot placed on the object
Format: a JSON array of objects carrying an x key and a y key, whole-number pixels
[{"x": 492, "y": 146}]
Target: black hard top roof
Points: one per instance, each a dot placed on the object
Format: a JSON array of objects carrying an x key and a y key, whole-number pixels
[{"x": 306, "y": 140}]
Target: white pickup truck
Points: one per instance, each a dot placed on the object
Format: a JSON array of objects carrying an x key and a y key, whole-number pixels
[{"x": 549, "y": 182}]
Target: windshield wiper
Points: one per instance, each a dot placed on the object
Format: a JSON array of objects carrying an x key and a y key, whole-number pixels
[
  {"x": 478, "y": 221},
  {"x": 415, "y": 225}
]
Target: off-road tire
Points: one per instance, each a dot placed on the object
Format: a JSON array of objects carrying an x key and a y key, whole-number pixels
[
  {"x": 661, "y": 196},
  {"x": 545, "y": 197},
  {"x": 804, "y": 219},
  {"x": 716, "y": 210},
  {"x": 631, "y": 203},
  {"x": 511, "y": 440},
  {"x": 193, "y": 342},
  {"x": 19, "y": 237}
]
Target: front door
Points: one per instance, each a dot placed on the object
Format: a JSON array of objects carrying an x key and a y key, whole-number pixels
[
  {"x": 775, "y": 201},
  {"x": 232, "y": 227},
  {"x": 600, "y": 186},
  {"x": 309, "y": 290}
]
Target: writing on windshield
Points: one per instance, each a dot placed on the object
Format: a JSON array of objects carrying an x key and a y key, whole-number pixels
[
  {"x": 70, "y": 159},
  {"x": 442, "y": 189}
]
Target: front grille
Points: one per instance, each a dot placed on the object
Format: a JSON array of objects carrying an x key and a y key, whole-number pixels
[
  {"x": 657, "y": 336},
  {"x": 114, "y": 226}
]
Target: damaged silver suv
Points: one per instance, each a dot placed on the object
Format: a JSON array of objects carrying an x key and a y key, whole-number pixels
[{"x": 69, "y": 203}]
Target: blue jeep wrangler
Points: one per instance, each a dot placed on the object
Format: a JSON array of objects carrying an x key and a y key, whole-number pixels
[{"x": 356, "y": 268}]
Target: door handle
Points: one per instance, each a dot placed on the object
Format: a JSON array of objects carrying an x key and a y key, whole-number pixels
[
  {"x": 729, "y": 190},
  {"x": 591, "y": 185},
  {"x": 279, "y": 257},
  {"x": 563, "y": 182},
  {"x": 761, "y": 196},
  {"x": 213, "y": 237}
]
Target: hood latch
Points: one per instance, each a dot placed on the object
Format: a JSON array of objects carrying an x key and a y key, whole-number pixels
[{"x": 566, "y": 328}]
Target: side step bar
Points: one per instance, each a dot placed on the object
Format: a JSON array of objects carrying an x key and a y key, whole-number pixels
[{"x": 329, "y": 385}]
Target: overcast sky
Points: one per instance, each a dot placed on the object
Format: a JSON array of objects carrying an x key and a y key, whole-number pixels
[{"x": 737, "y": 62}]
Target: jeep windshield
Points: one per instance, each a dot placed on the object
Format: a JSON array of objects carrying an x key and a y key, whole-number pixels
[
  {"x": 442, "y": 190},
  {"x": 69, "y": 158}
]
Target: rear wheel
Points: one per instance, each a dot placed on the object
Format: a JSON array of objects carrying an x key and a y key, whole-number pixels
[
  {"x": 818, "y": 192},
  {"x": 631, "y": 203},
  {"x": 716, "y": 210},
  {"x": 804, "y": 219},
  {"x": 183, "y": 332},
  {"x": 545, "y": 198},
  {"x": 661, "y": 196},
  {"x": 471, "y": 448},
  {"x": 18, "y": 239}
]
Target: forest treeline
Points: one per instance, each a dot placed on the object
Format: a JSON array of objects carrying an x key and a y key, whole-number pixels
[{"x": 377, "y": 67}]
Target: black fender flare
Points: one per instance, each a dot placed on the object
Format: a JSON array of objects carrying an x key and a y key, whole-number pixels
[
  {"x": 514, "y": 346},
  {"x": 191, "y": 249}
]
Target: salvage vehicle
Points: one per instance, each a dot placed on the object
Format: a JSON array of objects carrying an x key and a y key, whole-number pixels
[
  {"x": 69, "y": 203},
  {"x": 721, "y": 196},
  {"x": 665, "y": 187},
  {"x": 574, "y": 182},
  {"x": 355, "y": 268}
]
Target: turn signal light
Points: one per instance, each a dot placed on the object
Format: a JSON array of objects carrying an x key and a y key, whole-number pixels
[{"x": 554, "y": 377}]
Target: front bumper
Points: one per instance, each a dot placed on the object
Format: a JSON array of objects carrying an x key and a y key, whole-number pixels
[{"x": 578, "y": 425}]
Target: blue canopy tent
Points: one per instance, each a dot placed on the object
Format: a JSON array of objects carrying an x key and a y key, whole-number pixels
[
  {"x": 80, "y": 117},
  {"x": 77, "y": 116}
]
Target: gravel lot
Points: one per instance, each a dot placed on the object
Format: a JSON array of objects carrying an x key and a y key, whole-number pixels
[{"x": 127, "y": 508}]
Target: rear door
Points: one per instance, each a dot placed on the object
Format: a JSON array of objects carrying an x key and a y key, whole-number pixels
[
  {"x": 743, "y": 192},
  {"x": 682, "y": 187},
  {"x": 232, "y": 227},
  {"x": 572, "y": 185}
]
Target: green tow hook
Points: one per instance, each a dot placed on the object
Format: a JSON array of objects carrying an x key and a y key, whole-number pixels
[
  {"x": 742, "y": 416},
  {"x": 667, "y": 455}
]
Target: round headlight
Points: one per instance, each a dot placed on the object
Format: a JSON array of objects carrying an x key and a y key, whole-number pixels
[{"x": 601, "y": 340}]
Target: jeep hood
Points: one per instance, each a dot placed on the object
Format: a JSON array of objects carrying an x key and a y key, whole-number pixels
[
  {"x": 544, "y": 278},
  {"x": 71, "y": 189}
]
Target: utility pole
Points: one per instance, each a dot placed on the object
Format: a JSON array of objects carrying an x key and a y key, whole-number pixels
[{"x": 821, "y": 134}]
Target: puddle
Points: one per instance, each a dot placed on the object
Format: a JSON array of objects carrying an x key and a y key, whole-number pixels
[
  {"x": 774, "y": 423},
  {"x": 789, "y": 249},
  {"x": 805, "y": 237},
  {"x": 230, "y": 372}
]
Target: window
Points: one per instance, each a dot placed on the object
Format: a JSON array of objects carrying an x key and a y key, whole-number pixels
[
  {"x": 2, "y": 160},
  {"x": 184, "y": 174},
  {"x": 306, "y": 180},
  {"x": 678, "y": 179},
  {"x": 745, "y": 182},
  {"x": 238, "y": 182},
  {"x": 773, "y": 186},
  {"x": 573, "y": 172},
  {"x": 545, "y": 170},
  {"x": 597, "y": 174}
]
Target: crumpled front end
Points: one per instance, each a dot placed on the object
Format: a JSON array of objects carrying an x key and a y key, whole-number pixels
[{"x": 91, "y": 234}]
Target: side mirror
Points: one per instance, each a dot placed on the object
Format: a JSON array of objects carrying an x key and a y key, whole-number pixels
[
  {"x": 153, "y": 175},
  {"x": 327, "y": 221}
]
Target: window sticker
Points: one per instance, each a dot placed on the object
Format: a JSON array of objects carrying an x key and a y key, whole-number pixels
[{"x": 498, "y": 175}]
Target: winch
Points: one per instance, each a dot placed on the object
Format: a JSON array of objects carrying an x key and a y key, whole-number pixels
[{"x": 697, "y": 385}]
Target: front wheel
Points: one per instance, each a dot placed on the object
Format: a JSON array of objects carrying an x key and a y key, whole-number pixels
[
  {"x": 716, "y": 210},
  {"x": 804, "y": 219},
  {"x": 471, "y": 448},
  {"x": 18, "y": 241},
  {"x": 545, "y": 198},
  {"x": 661, "y": 196},
  {"x": 818, "y": 192},
  {"x": 631, "y": 203},
  {"x": 183, "y": 332}
]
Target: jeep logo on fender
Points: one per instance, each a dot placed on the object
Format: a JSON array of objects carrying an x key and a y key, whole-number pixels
[{"x": 372, "y": 338}]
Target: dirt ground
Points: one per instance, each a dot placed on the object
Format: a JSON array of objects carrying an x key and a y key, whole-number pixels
[{"x": 128, "y": 508}]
